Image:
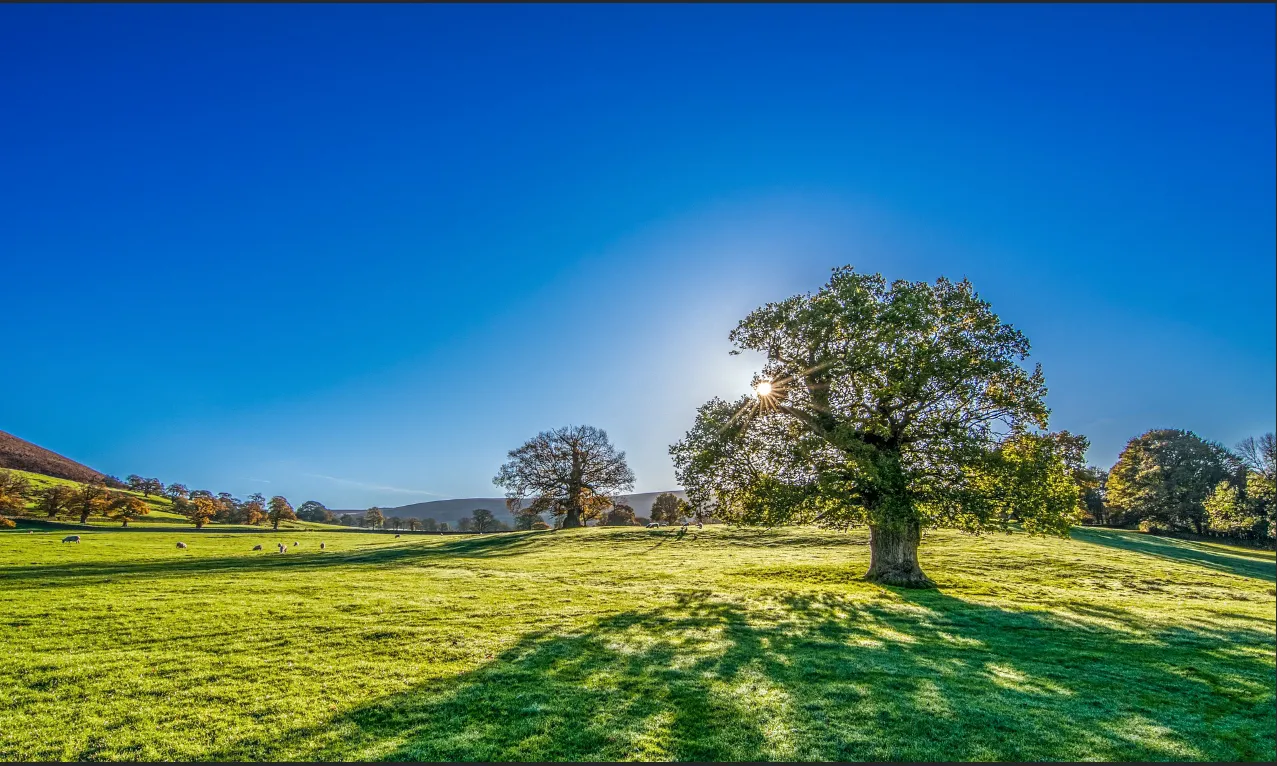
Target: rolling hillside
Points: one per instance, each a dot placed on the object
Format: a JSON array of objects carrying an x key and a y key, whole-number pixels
[{"x": 25, "y": 456}]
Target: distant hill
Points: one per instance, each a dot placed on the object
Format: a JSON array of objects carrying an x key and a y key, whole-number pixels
[
  {"x": 452, "y": 511},
  {"x": 25, "y": 456}
]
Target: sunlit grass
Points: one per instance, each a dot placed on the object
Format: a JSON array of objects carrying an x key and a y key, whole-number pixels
[{"x": 622, "y": 644}]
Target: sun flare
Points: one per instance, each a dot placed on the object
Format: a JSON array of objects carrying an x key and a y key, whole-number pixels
[{"x": 764, "y": 388}]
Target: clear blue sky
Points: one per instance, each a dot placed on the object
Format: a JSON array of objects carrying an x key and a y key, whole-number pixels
[{"x": 355, "y": 254}]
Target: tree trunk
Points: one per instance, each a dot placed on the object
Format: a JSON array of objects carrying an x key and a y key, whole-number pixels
[
  {"x": 893, "y": 557},
  {"x": 573, "y": 518}
]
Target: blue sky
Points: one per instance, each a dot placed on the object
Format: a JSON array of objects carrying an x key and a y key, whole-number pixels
[{"x": 355, "y": 253}]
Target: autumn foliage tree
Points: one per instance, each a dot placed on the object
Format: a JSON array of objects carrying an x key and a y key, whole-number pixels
[
  {"x": 200, "y": 510},
  {"x": 127, "y": 507},
  {"x": 90, "y": 499},
  {"x": 373, "y": 517},
  {"x": 884, "y": 405},
  {"x": 572, "y": 473},
  {"x": 15, "y": 493},
  {"x": 54, "y": 499},
  {"x": 279, "y": 510}
]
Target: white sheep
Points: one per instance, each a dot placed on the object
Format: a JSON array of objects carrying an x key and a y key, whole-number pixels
[
  {"x": 282, "y": 548},
  {"x": 181, "y": 545},
  {"x": 71, "y": 539}
]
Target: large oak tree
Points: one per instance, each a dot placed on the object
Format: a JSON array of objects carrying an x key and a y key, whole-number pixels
[
  {"x": 573, "y": 473},
  {"x": 897, "y": 406}
]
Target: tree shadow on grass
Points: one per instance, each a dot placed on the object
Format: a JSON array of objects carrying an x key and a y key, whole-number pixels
[
  {"x": 76, "y": 572},
  {"x": 1172, "y": 549},
  {"x": 917, "y": 676}
]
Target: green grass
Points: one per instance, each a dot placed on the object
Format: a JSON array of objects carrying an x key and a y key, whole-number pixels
[{"x": 618, "y": 644}]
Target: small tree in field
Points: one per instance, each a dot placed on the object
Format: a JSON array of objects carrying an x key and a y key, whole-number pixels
[
  {"x": 483, "y": 520},
  {"x": 373, "y": 517},
  {"x": 414, "y": 525},
  {"x": 201, "y": 510},
  {"x": 572, "y": 473},
  {"x": 90, "y": 499},
  {"x": 279, "y": 510},
  {"x": 878, "y": 405},
  {"x": 465, "y": 524},
  {"x": 174, "y": 491},
  {"x": 127, "y": 507},
  {"x": 53, "y": 499},
  {"x": 430, "y": 524},
  {"x": 152, "y": 487},
  {"x": 664, "y": 508},
  {"x": 621, "y": 515},
  {"x": 134, "y": 482}
]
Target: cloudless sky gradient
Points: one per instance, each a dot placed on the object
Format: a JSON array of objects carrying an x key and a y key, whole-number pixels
[{"x": 356, "y": 253}]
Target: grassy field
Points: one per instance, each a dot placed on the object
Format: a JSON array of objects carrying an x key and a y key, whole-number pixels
[{"x": 617, "y": 644}]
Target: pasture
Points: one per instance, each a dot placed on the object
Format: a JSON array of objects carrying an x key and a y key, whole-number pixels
[{"x": 623, "y": 644}]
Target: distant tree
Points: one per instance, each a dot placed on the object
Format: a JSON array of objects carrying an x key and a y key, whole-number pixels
[
  {"x": 1029, "y": 473},
  {"x": 228, "y": 508},
  {"x": 1259, "y": 458},
  {"x": 114, "y": 482},
  {"x": 174, "y": 491},
  {"x": 126, "y": 507},
  {"x": 621, "y": 515},
  {"x": 443, "y": 527},
  {"x": 348, "y": 520},
  {"x": 201, "y": 493},
  {"x": 134, "y": 482},
  {"x": 279, "y": 510},
  {"x": 414, "y": 525},
  {"x": 430, "y": 525},
  {"x": 1230, "y": 512},
  {"x": 571, "y": 472},
  {"x": 15, "y": 492},
  {"x": 539, "y": 524},
  {"x": 90, "y": 499},
  {"x": 252, "y": 511},
  {"x": 152, "y": 487},
  {"x": 880, "y": 405},
  {"x": 1164, "y": 476},
  {"x": 201, "y": 510},
  {"x": 642, "y": 521},
  {"x": 4, "y": 522},
  {"x": 664, "y": 508},
  {"x": 54, "y": 499},
  {"x": 395, "y": 523},
  {"x": 313, "y": 510},
  {"x": 374, "y": 518},
  {"x": 483, "y": 521},
  {"x": 465, "y": 524}
]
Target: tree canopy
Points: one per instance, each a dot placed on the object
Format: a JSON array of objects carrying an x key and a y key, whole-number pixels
[
  {"x": 899, "y": 407},
  {"x": 572, "y": 473},
  {"x": 1164, "y": 476}
]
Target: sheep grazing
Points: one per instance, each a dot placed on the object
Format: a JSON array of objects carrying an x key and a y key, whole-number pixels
[
  {"x": 181, "y": 545},
  {"x": 257, "y": 547},
  {"x": 321, "y": 546},
  {"x": 282, "y": 548},
  {"x": 294, "y": 543},
  {"x": 71, "y": 539},
  {"x": 396, "y": 537}
]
